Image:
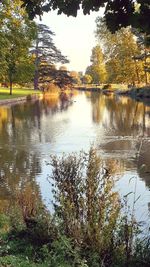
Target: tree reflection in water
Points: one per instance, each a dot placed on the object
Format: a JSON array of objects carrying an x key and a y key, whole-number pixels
[
  {"x": 125, "y": 124},
  {"x": 20, "y": 128}
]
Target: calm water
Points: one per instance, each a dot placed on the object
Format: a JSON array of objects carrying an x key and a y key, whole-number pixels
[{"x": 119, "y": 128}]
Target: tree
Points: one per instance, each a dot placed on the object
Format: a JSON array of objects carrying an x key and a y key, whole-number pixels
[
  {"x": 120, "y": 49},
  {"x": 75, "y": 77},
  {"x": 3, "y": 66},
  {"x": 49, "y": 74},
  {"x": 17, "y": 34},
  {"x": 97, "y": 69},
  {"x": 87, "y": 79},
  {"x": 63, "y": 68},
  {"x": 45, "y": 50},
  {"x": 118, "y": 13},
  {"x": 144, "y": 53}
]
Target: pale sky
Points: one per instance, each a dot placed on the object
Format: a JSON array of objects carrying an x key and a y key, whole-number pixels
[{"x": 74, "y": 37}]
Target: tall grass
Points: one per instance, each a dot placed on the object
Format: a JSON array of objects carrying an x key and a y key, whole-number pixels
[{"x": 90, "y": 212}]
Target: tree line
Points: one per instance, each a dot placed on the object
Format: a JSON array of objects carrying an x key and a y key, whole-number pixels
[
  {"x": 27, "y": 51},
  {"x": 120, "y": 57}
]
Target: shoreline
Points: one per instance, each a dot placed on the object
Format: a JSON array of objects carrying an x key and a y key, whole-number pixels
[
  {"x": 139, "y": 94},
  {"x": 20, "y": 99}
]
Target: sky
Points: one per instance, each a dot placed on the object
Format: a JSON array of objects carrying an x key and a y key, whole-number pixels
[{"x": 74, "y": 37}]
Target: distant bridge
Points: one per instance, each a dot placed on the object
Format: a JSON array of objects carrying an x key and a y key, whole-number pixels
[{"x": 91, "y": 88}]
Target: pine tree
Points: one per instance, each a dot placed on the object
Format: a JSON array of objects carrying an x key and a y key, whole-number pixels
[{"x": 45, "y": 50}]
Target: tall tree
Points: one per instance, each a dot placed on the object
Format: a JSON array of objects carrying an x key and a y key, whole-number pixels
[
  {"x": 97, "y": 69},
  {"x": 144, "y": 53},
  {"x": 45, "y": 50},
  {"x": 17, "y": 32},
  {"x": 119, "y": 49}
]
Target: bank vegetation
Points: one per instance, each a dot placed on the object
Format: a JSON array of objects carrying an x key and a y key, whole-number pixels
[{"x": 90, "y": 225}]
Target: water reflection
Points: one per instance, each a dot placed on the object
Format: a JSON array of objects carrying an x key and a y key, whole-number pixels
[
  {"x": 21, "y": 127},
  {"x": 126, "y": 130},
  {"x": 123, "y": 133},
  {"x": 123, "y": 116},
  {"x": 30, "y": 132}
]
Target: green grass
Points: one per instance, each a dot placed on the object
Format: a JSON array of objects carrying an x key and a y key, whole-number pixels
[{"x": 17, "y": 92}]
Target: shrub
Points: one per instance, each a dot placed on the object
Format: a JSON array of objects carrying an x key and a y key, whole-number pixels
[
  {"x": 85, "y": 203},
  {"x": 4, "y": 223},
  {"x": 107, "y": 86},
  {"x": 65, "y": 254},
  {"x": 29, "y": 97},
  {"x": 37, "y": 219}
]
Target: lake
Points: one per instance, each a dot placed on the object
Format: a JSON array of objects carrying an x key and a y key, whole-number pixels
[{"x": 118, "y": 127}]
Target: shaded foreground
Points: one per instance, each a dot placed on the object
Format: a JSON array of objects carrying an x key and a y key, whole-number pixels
[{"x": 89, "y": 227}]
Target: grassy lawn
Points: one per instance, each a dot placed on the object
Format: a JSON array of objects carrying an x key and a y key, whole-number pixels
[{"x": 17, "y": 92}]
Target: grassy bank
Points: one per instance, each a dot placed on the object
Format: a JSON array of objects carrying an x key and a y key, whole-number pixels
[
  {"x": 17, "y": 92},
  {"x": 137, "y": 93},
  {"x": 90, "y": 227}
]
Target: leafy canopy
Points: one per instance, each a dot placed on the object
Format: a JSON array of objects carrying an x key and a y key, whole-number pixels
[
  {"x": 97, "y": 69},
  {"x": 121, "y": 63},
  {"x": 117, "y": 13},
  {"x": 17, "y": 33}
]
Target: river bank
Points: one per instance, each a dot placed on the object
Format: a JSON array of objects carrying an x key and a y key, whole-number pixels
[
  {"x": 22, "y": 99},
  {"x": 139, "y": 94},
  {"x": 18, "y": 96},
  {"x": 135, "y": 93}
]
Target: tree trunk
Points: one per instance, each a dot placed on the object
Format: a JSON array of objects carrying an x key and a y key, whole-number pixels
[
  {"x": 10, "y": 86},
  {"x": 137, "y": 71},
  {"x": 145, "y": 62},
  {"x": 36, "y": 74},
  {"x": 36, "y": 78}
]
